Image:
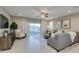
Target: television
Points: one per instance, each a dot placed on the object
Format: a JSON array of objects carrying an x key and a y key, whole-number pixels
[{"x": 3, "y": 21}]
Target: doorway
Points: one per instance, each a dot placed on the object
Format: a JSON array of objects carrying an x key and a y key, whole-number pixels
[{"x": 34, "y": 30}]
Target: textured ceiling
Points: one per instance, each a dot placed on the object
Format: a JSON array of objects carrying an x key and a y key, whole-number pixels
[{"x": 33, "y": 11}]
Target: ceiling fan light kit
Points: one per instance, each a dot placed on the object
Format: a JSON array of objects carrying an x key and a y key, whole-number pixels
[{"x": 44, "y": 13}]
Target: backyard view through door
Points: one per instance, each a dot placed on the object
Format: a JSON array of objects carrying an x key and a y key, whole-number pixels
[{"x": 34, "y": 30}]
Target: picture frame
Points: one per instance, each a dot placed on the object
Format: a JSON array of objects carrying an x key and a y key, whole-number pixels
[
  {"x": 59, "y": 24},
  {"x": 66, "y": 24}
]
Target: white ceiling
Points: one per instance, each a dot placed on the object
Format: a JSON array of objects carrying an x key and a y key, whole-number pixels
[{"x": 33, "y": 11}]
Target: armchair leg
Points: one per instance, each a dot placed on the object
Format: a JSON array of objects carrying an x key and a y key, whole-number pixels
[{"x": 47, "y": 44}]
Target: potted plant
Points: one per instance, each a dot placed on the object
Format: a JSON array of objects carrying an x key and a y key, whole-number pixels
[{"x": 13, "y": 27}]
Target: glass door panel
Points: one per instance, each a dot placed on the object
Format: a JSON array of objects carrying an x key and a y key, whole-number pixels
[{"x": 34, "y": 30}]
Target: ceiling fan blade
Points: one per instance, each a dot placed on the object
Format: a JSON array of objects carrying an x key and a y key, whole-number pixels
[{"x": 36, "y": 13}]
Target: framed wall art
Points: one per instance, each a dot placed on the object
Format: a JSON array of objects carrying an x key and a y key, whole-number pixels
[
  {"x": 59, "y": 24},
  {"x": 66, "y": 24}
]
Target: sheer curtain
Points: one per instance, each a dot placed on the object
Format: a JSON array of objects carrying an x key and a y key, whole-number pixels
[
  {"x": 32, "y": 21},
  {"x": 21, "y": 22}
]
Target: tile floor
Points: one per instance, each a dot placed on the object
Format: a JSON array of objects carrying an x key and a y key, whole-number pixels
[{"x": 37, "y": 45}]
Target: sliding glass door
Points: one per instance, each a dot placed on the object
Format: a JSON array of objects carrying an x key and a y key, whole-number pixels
[{"x": 34, "y": 30}]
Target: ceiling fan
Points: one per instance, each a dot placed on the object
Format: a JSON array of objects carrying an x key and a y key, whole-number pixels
[{"x": 42, "y": 13}]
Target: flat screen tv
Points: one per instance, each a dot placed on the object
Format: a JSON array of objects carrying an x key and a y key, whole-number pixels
[{"x": 3, "y": 21}]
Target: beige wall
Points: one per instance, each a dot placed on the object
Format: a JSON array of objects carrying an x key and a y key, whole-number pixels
[
  {"x": 44, "y": 24},
  {"x": 21, "y": 22},
  {"x": 74, "y": 21}
]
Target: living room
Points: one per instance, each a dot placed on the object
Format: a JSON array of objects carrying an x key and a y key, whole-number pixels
[
  {"x": 39, "y": 29},
  {"x": 43, "y": 18}
]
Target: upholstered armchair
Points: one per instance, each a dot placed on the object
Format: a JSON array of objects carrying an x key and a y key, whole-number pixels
[{"x": 19, "y": 34}]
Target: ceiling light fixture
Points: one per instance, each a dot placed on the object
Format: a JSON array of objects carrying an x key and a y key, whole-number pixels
[{"x": 44, "y": 13}]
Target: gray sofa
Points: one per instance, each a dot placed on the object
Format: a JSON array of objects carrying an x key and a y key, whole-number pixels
[{"x": 60, "y": 41}]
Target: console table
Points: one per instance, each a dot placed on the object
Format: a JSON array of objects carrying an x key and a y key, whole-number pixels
[{"x": 7, "y": 42}]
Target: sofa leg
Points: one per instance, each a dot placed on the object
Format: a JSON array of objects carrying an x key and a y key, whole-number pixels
[
  {"x": 57, "y": 50},
  {"x": 70, "y": 45},
  {"x": 47, "y": 44}
]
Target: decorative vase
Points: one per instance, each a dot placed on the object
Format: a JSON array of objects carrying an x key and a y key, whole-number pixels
[{"x": 5, "y": 34}]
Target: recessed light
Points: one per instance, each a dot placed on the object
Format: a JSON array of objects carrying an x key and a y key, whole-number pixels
[{"x": 69, "y": 11}]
